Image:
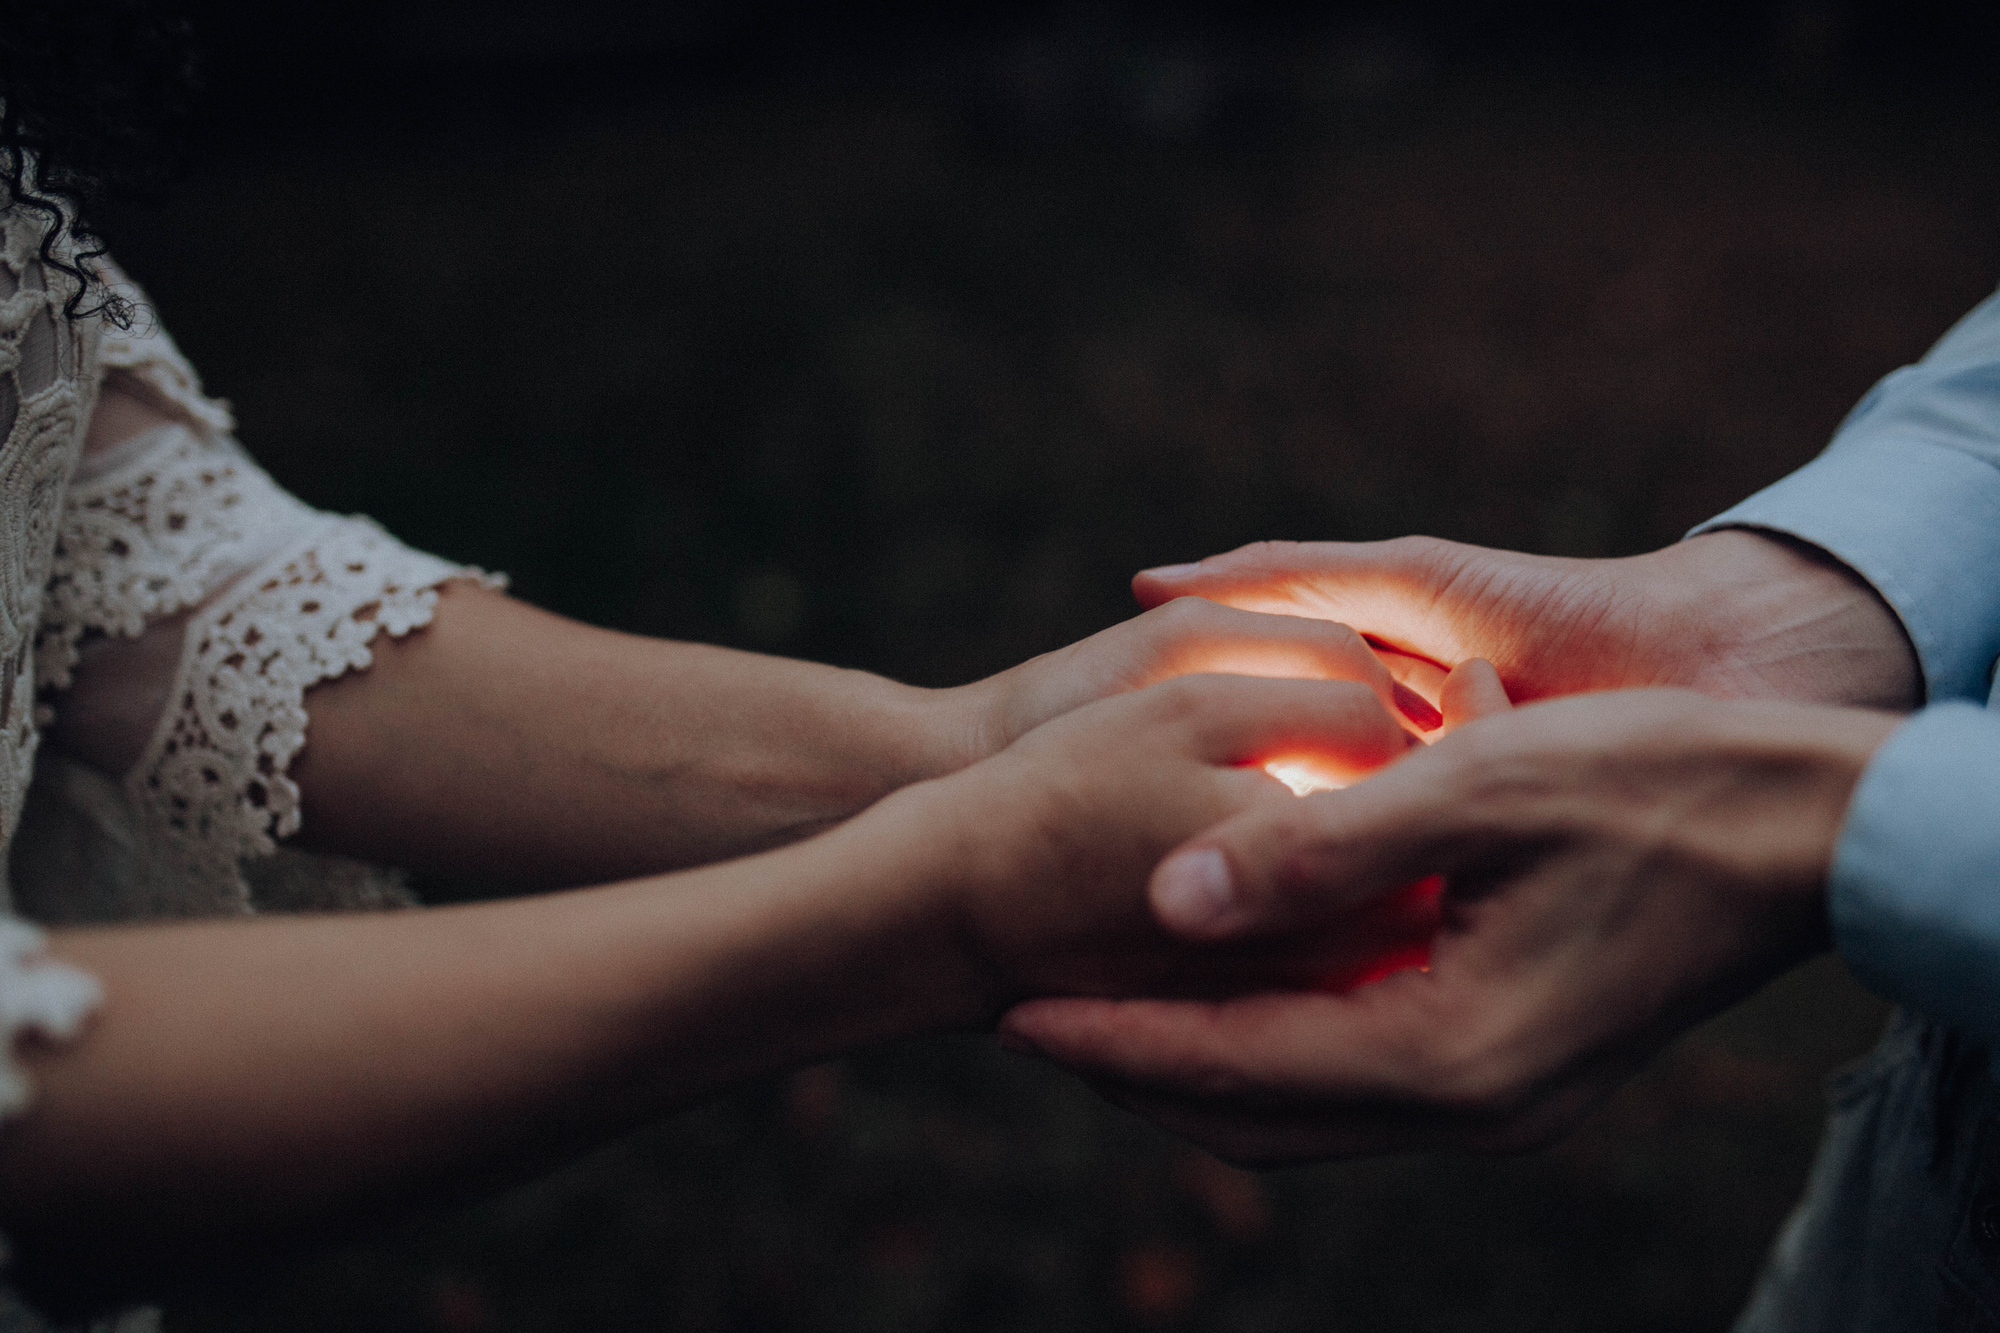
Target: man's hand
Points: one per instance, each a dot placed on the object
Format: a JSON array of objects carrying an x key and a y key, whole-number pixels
[
  {"x": 1735, "y": 614},
  {"x": 1616, "y": 868}
]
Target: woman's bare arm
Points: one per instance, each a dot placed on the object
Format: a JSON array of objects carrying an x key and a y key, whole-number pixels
[
  {"x": 248, "y": 1078},
  {"x": 504, "y": 742}
]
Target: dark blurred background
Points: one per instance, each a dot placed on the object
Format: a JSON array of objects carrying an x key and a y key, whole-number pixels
[{"x": 899, "y": 336}]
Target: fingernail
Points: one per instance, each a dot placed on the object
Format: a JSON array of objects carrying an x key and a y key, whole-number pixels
[
  {"x": 1415, "y": 707},
  {"x": 1193, "y": 891},
  {"x": 1173, "y": 571}
]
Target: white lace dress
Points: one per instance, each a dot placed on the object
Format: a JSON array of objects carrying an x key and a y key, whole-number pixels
[{"x": 212, "y": 601}]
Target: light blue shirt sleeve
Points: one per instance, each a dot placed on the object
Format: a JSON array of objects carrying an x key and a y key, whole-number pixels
[
  {"x": 1908, "y": 496},
  {"x": 1915, "y": 891}
]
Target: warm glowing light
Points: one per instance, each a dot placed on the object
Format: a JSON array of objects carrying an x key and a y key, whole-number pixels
[{"x": 1302, "y": 777}]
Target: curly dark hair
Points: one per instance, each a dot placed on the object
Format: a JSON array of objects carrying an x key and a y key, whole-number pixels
[{"x": 93, "y": 97}]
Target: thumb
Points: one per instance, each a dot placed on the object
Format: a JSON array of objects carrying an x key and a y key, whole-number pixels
[
  {"x": 1283, "y": 866},
  {"x": 1472, "y": 691}
]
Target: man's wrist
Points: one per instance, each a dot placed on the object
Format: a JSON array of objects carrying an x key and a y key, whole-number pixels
[
  {"x": 1776, "y": 617},
  {"x": 1797, "y": 768}
]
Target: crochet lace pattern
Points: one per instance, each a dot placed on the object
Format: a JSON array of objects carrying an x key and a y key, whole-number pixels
[
  {"x": 169, "y": 520},
  {"x": 44, "y": 401},
  {"x": 275, "y": 597},
  {"x": 39, "y": 996},
  {"x": 289, "y": 597},
  {"x": 213, "y": 780}
]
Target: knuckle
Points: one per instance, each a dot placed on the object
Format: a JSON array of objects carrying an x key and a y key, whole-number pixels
[
  {"x": 1182, "y": 698},
  {"x": 1417, "y": 546},
  {"x": 1343, "y": 643},
  {"x": 1433, "y": 559},
  {"x": 1342, "y": 634},
  {"x": 1182, "y": 614}
]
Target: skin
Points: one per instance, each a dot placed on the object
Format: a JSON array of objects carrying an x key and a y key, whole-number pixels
[
  {"x": 515, "y": 749},
  {"x": 907, "y": 860},
  {"x": 1735, "y": 614},
  {"x": 251, "y": 1078},
  {"x": 1616, "y": 867}
]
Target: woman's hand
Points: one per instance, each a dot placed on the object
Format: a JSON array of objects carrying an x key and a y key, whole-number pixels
[
  {"x": 504, "y": 745},
  {"x": 1736, "y": 614},
  {"x": 1185, "y": 636},
  {"x": 245, "y": 1077},
  {"x": 1046, "y": 848}
]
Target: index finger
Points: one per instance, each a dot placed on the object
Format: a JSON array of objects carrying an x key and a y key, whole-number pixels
[
  {"x": 1207, "y": 637},
  {"x": 1244, "y": 720},
  {"x": 1386, "y": 590}
]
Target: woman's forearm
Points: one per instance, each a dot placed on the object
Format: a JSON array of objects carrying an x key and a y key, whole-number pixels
[
  {"x": 503, "y": 743},
  {"x": 519, "y": 749},
  {"x": 260, "y": 1073},
  {"x": 246, "y": 1078}
]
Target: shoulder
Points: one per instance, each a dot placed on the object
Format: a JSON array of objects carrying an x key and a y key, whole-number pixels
[{"x": 144, "y": 351}]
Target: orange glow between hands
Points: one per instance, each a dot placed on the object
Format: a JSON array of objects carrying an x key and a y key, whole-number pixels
[
  {"x": 1302, "y": 777},
  {"x": 1404, "y": 925},
  {"x": 1352, "y": 978}
]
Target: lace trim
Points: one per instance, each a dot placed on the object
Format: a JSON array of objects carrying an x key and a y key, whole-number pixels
[
  {"x": 212, "y": 784},
  {"x": 39, "y": 995},
  {"x": 47, "y": 385},
  {"x": 174, "y": 518},
  {"x": 150, "y": 358}
]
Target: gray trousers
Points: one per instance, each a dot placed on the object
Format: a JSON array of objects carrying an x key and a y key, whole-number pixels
[{"x": 1899, "y": 1229}]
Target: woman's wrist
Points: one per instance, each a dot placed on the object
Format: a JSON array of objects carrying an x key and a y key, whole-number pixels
[
  {"x": 901, "y": 875},
  {"x": 953, "y": 727}
]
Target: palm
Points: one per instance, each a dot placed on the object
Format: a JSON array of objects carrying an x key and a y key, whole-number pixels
[
  {"x": 1733, "y": 614},
  {"x": 1551, "y": 626}
]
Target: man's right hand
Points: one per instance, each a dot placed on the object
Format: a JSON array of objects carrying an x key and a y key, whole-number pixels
[
  {"x": 1615, "y": 869},
  {"x": 1734, "y": 614}
]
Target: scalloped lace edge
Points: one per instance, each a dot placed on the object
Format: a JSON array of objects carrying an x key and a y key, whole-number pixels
[
  {"x": 171, "y": 522},
  {"x": 213, "y": 783},
  {"x": 37, "y": 995}
]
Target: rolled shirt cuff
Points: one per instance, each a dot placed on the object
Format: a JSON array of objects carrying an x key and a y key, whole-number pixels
[{"x": 1914, "y": 892}]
